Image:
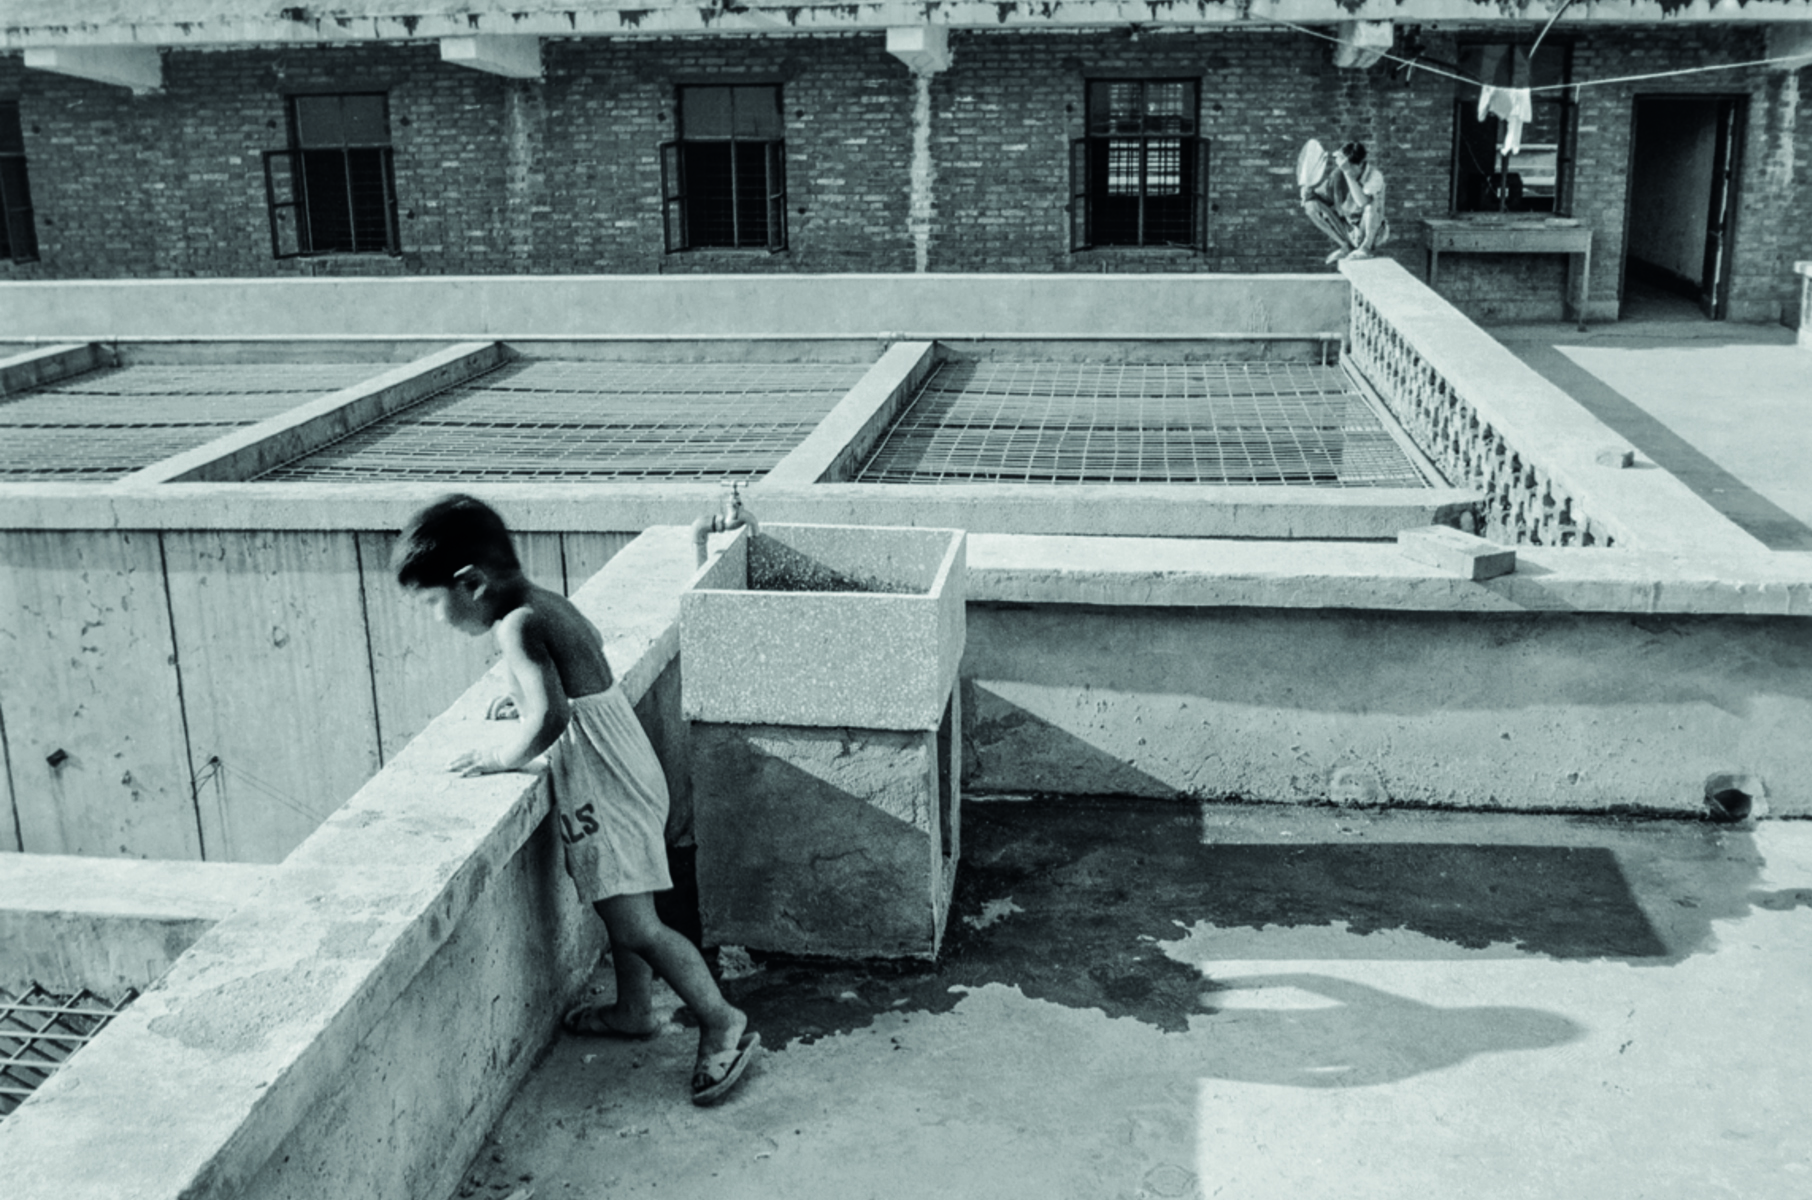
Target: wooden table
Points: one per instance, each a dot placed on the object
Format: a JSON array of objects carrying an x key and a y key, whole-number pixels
[{"x": 1526, "y": 235}]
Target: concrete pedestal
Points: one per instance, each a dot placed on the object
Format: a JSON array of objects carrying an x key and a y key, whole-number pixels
[
  {"x": 834, "y": 842},
  {"x": 818, "y": 668}
]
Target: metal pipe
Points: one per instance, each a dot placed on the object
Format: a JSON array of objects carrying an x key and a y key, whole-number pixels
[{"x": 733, "y": 516}]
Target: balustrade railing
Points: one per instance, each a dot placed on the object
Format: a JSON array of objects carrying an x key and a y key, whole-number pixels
[{"x": 1523, "y": 502}]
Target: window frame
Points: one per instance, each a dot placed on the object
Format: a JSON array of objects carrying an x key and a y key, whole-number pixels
[
  {"x": 18, "y": 228},
  {"x": 680, "y": 195},
  {"x": 286, "y": 186},
  {"x": 1088, "y": 167},
  {"x": 1566, "y": 148}
]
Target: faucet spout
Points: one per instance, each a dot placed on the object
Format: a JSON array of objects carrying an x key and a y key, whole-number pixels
[{"x": 733, "y": 516}]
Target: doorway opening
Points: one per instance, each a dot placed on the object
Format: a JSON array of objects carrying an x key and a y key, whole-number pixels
[{"x": 1685, "y": 159}]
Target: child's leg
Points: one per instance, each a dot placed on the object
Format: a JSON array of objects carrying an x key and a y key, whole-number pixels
[{"x": 636, "y": 933}]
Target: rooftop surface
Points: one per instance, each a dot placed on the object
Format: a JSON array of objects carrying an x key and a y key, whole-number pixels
[
  {"x": 1721, "y": 405},
  {"x": 1150, "y": 999},
  {"x": 1144, "y": 998}
]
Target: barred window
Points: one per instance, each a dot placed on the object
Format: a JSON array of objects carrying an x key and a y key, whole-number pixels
[
  {"x": 333, "y": 191},
  {"x": 1140, "y": 176},
  {"x": 723, "y": 181},
  {"x": 18, "y": 233}
]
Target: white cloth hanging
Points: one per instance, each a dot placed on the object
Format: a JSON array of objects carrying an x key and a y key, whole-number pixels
[{"x": 1514, "y": 105}]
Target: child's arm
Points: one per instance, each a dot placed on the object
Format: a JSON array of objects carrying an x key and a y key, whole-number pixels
[{"x": 541, "y": 699}]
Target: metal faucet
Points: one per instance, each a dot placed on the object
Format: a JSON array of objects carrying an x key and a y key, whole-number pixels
[{"x": 733, "y": 516}]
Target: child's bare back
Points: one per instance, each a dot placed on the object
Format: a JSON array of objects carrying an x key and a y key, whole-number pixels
[{"x": 572, "y": 643}]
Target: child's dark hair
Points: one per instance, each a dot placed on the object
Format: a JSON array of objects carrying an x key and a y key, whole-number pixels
[
  {"x": 1354, "y": 152},
  {"x": 452, "y": 533}
]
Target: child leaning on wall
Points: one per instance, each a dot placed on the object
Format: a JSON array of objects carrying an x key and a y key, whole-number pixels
[{"x": 608, "y": 788}]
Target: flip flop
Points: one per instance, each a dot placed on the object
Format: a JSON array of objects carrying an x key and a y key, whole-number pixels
[
  {"x": 716, "y": 1074},
  {"x": 587, "y": 1020}
]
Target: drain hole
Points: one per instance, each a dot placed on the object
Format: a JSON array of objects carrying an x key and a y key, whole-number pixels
[{"x": 1731, "y": 797}]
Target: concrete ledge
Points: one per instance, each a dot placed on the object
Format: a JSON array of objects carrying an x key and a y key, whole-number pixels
[
  {"x": 843, "y": 439},
  {"x": 33, "y": 368},
  {"x": 108, "y": 924},
  {"x": 249, "y": 452},
  {"x": 501, "y": 307},
  {"x": 1374, "y": 514},
  {"x": 1165, "y": 572},
  {"x": 268, "y": 1025}
]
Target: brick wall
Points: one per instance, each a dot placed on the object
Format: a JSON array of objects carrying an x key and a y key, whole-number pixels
[{"x": 498, "y": 176}]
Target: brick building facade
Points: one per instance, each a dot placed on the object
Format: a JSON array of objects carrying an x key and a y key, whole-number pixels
[{"x": 967, "y": 169}]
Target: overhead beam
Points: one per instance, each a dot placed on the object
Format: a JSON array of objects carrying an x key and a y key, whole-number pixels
[
  {"x": 925, "y": 49},
  {"x": 135, "y": 67},
  {"x": 514, "y": 56}
]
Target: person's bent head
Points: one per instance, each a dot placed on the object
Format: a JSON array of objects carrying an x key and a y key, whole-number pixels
[{"x": 446, "y": 537}]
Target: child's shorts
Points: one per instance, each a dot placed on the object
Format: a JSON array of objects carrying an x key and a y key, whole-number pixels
[{"x": 610, "y": 795}]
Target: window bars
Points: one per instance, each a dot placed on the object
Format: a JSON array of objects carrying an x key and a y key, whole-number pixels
[
  {"x": 334, "y": 190},
  {"x": 18, "y": 232},
  {"x": 723, "y": 182}
]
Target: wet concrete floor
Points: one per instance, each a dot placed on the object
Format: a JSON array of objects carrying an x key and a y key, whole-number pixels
[{"x": 1145, "y": 999}]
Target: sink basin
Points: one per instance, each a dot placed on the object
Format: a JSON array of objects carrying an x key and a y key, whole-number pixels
[{"x": 825, "y": 625}]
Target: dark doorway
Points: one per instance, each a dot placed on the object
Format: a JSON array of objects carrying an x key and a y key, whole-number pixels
[{"x": 1685, "y": 158}]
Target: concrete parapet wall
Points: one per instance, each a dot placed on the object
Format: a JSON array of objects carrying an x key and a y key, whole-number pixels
[
  {"x": 1131, "y": 510},
  {"x": 1551, "y": 471},
  {"x": 355, "y": 1027},
  {"x": 107, "y": 925},
  {"x": 215, "y": 692},
  {"x": 1569, "y": 711},
  {"x": 919, "y": 307},
  {"x": 1164, "y": 572}
]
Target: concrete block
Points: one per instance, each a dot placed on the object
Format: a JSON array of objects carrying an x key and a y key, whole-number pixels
[
  {"x": 1465, "y": 554},
  {"x": 512, "y": 56},
  {"x": 137, "y": 67},
  {"x": 825, "y": 626},
  {"x": 835, "y": 842}
]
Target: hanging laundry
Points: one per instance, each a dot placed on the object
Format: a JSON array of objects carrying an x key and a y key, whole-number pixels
[{"x": 1514, "y": 105}]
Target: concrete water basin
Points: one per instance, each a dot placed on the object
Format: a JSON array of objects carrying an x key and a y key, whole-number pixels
[{"x": 818, "y": 666}]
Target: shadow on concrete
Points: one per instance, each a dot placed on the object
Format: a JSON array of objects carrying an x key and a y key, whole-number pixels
[
  {"x": 1361, "y": 1037},
  {"x": 1759, "y": 516},
  {"x": 1561, "y": 901},
  {"x": 1076, "y": 902}
]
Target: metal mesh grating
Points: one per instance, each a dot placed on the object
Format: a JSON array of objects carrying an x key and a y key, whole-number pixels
[
  {"x": 1209, "y": 423},
  {"x": 110, "y": 422},
  {"x": 39, "y": 1030},
  {"x": 548, "y": 419}
]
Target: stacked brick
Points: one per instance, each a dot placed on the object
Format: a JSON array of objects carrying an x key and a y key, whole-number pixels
[{"x": 563, "y": 175}]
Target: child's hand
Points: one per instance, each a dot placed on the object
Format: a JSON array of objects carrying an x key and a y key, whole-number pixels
[
  {"x": 476, "y": 762},
  {"x": 503, "y": 708}
]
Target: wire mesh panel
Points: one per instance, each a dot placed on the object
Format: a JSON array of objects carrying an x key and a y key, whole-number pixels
[
  {"x": 110, "y": 422},
  {"x": 592, "y": 420},
  {"x": 40, "y": 1029},
  {"x": 1210, "y": 423}
]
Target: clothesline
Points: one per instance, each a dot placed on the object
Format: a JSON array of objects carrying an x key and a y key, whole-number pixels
[{"x": 1551, "y": 87}]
